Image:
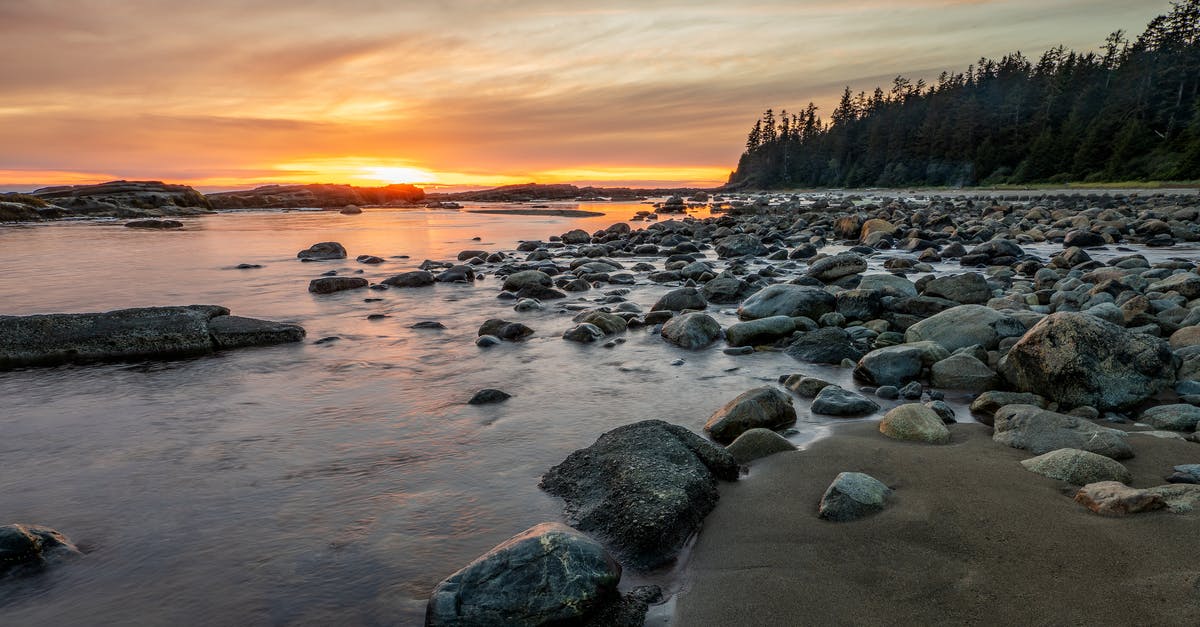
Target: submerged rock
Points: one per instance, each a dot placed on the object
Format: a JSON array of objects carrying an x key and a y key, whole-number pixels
[
  {"x": 331, "y": 284},
  {"x": 548, "y": 574},
  {"x": 31, "y": 545},
  {"x": 154, "y": 224},
  {"x": 132, "y": 334},
  {"x": 488, "y": 396},
  {"x": 642, "y": 488},
  {"x": 692, "y": 331},
  {"x": 323, "y": 250}
]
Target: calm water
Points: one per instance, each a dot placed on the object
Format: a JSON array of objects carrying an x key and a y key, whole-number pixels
[{"x": 309, "y": 484}]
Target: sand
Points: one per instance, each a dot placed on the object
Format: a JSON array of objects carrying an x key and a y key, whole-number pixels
[{"x": 969, "y": 538}]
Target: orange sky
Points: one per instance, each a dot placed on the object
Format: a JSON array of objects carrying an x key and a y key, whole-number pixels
[{"x": 226, "y": 94}]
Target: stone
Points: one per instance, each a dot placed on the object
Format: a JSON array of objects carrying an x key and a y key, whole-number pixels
[
  {"x": 229, "y": 332},
  {"x": 891, "y": 365},
  {"x": 32, "y": 546},
  {"x": 1077, "y": 359},
  {"x": 830, "y": 269},
  {"x": 1177, "y": 417},
  {"x": 969, "y": 289},
  {"x": 739, "y": 245},
  {"x": 583, "y": 333},
  {"x": 519, "y": 280},
  {"x": 505, "y": 330},
  {"x": 1186, "y": 284},
  {"x": 725, "y": 290},
  {"x": 888, "y": 285},
  {"x": 787, "y": 300},
  {"x": 642, "y": 488},
  {"x": 966, "y": 325},
  {"x": 416, "y": 278},
  {"x": 758, "y": 443},
  {"x": 761, "y": 331},
  {"x": 681, "y": 299},
  {"x": 456, "y": 274},
  {"x": 547, "y": 574},
  {"x": 851, "y": 496},
  {"x": 159, "y": 225},
  {"x": 827, "y": 345},
  {"x": 692, "y": 331},
  {"x": 323, "y": 251},
  {"x": 803, "y": 386},
  {"x": 986, "y": 404},
  {"x": 1185, "y": 337},
  {"x": 1185, "y": 473},
  {"x": 488, "y": 396},
  {"x": 1040, "y": 431},
  {"x": 610, "y": 324},
  {"x": 1077, "y": 467},
  {"x": 916, "y": 423},
  {"x": 1112, "y": 498},
  {"x": 835, "y": 401},
  {"x": 1178, "y": 498},
  {"x": 766, "y": 407},
  {"x": 331, "y": 284},
  {"x": 963, "y": 372},
  {"x": 486, "y": 341}
]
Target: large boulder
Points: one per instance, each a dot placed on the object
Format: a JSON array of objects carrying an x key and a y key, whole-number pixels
[
  {"x": 965, "y": 325},
  {"x": 323, "y": 250},
  {"x": 1040, "y": 431},
  {"x": 1077, "y": 359},
  {"x": 766, "y": 407},
  {"x": 132, "y": 334},
  {"x": 517, "y": 281},
  {"x": 836, "y": 401},
  {"x": 545, "y": 575},
  {"x": 986, "y": 404},
  {"x": 1078, "y": 467},
  {"x": 642, "y": 488},
  {"x": 827, "y": 345},
  {"x": 851, "y": 496},
  {"x": 962, "y": 371},
  {"x": 31, "y": 546},
  {"x": 916, "y": 423},
  {"x": 830, "y": 269},
  {"x": 739, "y": 245},
  {"x": 692, "y": 331},
  {"x": 681, "y": 299},
  {"x": 725, "y": 290},
  {"x": 761, "y": 331},
  {"x": 891, "y": 365},
  {"x": 970, "y": 288},
  {"x": 786, "y": 299},
  {"x": 756, "y": 444}
]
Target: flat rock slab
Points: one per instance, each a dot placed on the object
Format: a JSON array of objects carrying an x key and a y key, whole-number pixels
[{"x": 132, "y": 334}]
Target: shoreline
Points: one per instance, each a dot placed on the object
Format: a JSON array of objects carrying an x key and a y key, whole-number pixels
[{"x": 969, "y": 537}]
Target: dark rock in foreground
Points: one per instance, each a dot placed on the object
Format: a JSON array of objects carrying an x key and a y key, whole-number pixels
[
  {"x": 28, "y": 545},
  {"x": 132, "y": 334},
  {"x": 642, "y": 488},
  {"x": 331, "y": 284},
  {"x": 548, "y": 574},
  {"x": 323, "y": 250}
]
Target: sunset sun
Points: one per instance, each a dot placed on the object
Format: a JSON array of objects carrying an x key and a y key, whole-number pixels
[{"x": 397, "y": 174}]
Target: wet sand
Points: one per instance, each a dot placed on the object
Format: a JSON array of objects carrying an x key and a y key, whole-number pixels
[{"x": 969, "y": 537}]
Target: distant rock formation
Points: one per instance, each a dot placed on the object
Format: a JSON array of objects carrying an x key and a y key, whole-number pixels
[
  {"x": 316, "y": 195},
  {"x": 534, "y": 191},
  {"x": 124, "y": 199}
]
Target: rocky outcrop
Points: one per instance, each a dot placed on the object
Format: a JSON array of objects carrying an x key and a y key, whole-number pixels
[
  {"x": 132, "y": 334},
  {"x": 124, "y": 199},
  {"x": 1077, "y": 359},
  {"x": 642, "y": 488},
  {"x": 316, "y": 196},
  {"x": 548, "y": 574}
]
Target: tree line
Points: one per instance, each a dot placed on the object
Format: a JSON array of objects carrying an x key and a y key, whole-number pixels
[{"x": 1130, "y": 111}]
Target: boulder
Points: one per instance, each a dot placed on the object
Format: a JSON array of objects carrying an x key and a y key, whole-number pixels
[
  {"x": 914, "y": 422},
  {"x": 961, "y": 371},
  {"x": 610, "y": 324},
  {"x": 965, "y": 325},
  {"x": 739, "y": 245},
  {"x": 456, "y": 274},
  {"x": 31, "y": 546},
  {"x": 766, "y": 407},
  {"x": 1186, "y": 284},
  {"x": 851, "y": 496},
  {"x": 585, "y": 333},
  {"x": 1040, "y": 431},
  {"x": 827, "y": 345},
  {"x": 416, "y": 278},
  {"x": 488, "y": 396},
  {"x": 505, "y": 330},
  {"x": 1077, "y": 359},
  {"x": 758, "y": 443},
  {"x": 1112, "y": 498},
  {"x": 725, "y": 290},
  {"x": 1176, "y": 417},
  {"x": 681, "y": 299},
  {"x": 830, "y": 269},
  {"x": 547, "y": 574},
  {"x": 888, "y": 285},
  {"x": 835, "y": 401},
  {"x": 692, "y": 331},
  {"x": 787, "y": 300},
  {"x": 526, "y": 278},
  {"x": 323, "y": 250},
  {"x": 891, "y": 365},
  {"x": 131, "y": 334},
  {"x": 642, "y": 488},
  {"x": 969, "y": 289},
  {"x": 331, "y": 284},
  {"x": 986, "y": 404},
  {"x": 1078, "y": 467},
  {"x": 761, "y": 331}
]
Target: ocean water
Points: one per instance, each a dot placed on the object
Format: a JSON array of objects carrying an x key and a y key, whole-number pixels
[{"x": 313, "y": 484}]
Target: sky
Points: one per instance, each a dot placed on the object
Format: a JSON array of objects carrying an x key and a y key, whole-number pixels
[{"x": 227, "y": 94}]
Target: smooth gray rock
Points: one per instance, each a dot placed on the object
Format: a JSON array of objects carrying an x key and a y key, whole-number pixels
[
  {"x": 488, "y": 396},
  {"x": 851, "y": 496},
  {"x": 416, "y": 278},
  {"x": 1078, "y": 467},
  {"x": 1177, "y": 417},
  {"x": 891, "y": 365},
  {"x": 756, "y": 444},
  {"x": 766, "y": 407},
  {"x": 1040, "y": 431},
  {"x": 680, "y": 299},
  {"x": 739, "y": 245},
  {"x": 835, "y": 401},
  {"x": 829, "y": 269},
  {"x": 519, "y": 280},
  {"x": 1077, "y": 359},
  {"x": 331, "y": 284},
  {"x": 965, "y": 325},
  {"x": 787, "y": 300},
  {"x": 969, "y": 289},
  {"x": 725, "y": 290},
  {"x": 692, "y": 331},
  {"x": 585, "y": 333},
  {"x": 963, "y": 372},
  {"x": 827, "y": 345},
  {"x": 237, "y": 332},
  {"x": 761, "y": 331},
  {"x": 548, "y": 574},
  {"x": 914, "y": 422},
  {"x": 642, "y": 488}
]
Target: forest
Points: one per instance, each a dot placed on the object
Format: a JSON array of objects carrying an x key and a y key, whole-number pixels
[{"x": 1127, "y": 112}]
